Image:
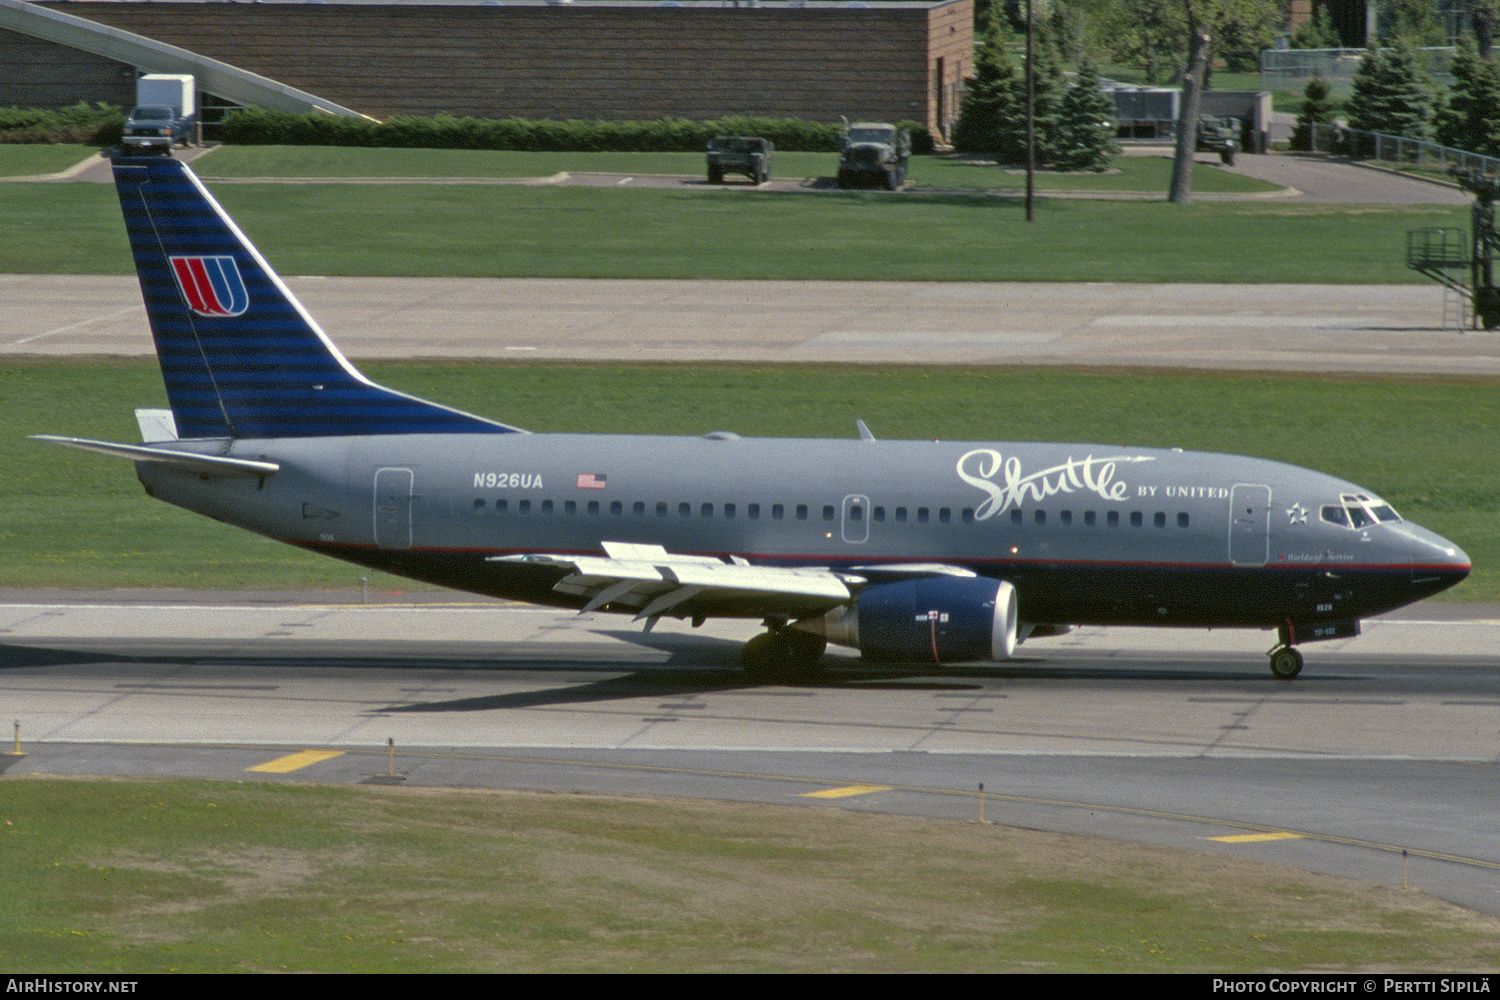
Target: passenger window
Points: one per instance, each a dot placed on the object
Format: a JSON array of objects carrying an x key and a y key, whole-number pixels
[
  {"x": 501, "y": 506},
  {"x": 802, "y": 512},
  {"x": 570, "y": 507},
  {"x": 1088, "y": 518},
  {"x": 921, "y": 515},
  {"x": 753, "y": 512},
  {"x": 479, "y": 506},
  {"x": 707, "y": 510},
  {"x": 879, "y": 515},
  {"x": 1182, "y": 519},
  {"x": 684, "y": 510},
  {"x": 546, "y": 506},
  {"x": 1040, "y": 517},
  {"x": 776, "y": 511},
  {"x": 900, "y": 515},
  {"x": 1112, "y": 519},
  {"x": 1160, "y": 519},
  {"x": 1135, "y": 519},
  {"x": 944, "y": 515},
  {"x": 617, "y": 508},
  {"x": 523, "y": 507},
  {"x": 828, "y": 513},
  {"x": 661, "y": 508},
  {"x": 729, "y": 510},
  {"x": 968, "y": 515},
  {"x": 1066, "y": 517},
  {"x": 638, "y": 508}
]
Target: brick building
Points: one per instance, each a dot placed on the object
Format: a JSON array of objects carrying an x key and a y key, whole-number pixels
[{"x": 531, "y": 59}]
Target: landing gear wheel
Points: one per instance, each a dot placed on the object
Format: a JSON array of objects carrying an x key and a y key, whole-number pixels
[
  {"x": 1286, "y": 663},
  {"x": 784, "y": 655}
]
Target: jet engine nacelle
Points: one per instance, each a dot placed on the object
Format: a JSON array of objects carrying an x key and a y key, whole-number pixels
[{"x": 935, "y": 619}]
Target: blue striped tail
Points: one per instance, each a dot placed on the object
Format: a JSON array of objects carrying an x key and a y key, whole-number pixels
[{"x": 239, "y": 354}]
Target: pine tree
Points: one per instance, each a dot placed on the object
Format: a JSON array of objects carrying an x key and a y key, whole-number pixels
[
  {"x": 1048, "y": 90},
  {"x": 1471, "y": 119},
  {"x": 1317, "y": 109},
  {"x": 991, "y": 93},
  {"x": 1391, "y": 95},
  {"x": 1483, "y": 131},
  {"x": 1086, "y": 130},
  {"x": 1317, "y": 32}
]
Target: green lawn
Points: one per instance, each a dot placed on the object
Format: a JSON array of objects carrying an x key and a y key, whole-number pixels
[
  {"x": 24, "y": 159},
  {"x": 1130, "y": 173},
  {"x": 131, "y": 877},
  {"x": 445, "y": 230},
  {"x": 73, "y": 519}
]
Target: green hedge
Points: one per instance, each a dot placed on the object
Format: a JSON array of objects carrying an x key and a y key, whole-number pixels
[
  {"x": 252, "y": 127},
  {"x": 89, "y": 124}
]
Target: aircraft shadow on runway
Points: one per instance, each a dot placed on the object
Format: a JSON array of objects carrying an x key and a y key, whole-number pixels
[{"x": 689, "y": 665}]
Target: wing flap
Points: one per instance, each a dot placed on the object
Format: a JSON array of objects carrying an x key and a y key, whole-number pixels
[{"x": 654, "y": 582}]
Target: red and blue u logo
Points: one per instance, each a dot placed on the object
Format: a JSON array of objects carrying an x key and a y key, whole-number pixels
[{"x": 211, "y": 286}]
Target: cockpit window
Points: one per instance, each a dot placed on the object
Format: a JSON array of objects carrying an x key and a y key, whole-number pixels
[{"x": 1356, "y": 511}]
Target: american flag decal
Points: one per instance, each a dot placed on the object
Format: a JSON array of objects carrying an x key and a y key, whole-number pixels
[
  {"x": 211, "y": 286},
  {"x": 591, "y": 481}
]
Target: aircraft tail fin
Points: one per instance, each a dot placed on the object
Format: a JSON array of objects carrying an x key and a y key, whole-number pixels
[{"x": 239, "y": 354}]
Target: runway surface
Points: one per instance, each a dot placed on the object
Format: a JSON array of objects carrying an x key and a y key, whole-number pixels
[{"x": 1387, "y": 742}]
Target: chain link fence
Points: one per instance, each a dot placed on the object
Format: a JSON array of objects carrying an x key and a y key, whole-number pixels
[
  {"x": 1288, "y": 70},
  {"x": 1398, "y": 150}
]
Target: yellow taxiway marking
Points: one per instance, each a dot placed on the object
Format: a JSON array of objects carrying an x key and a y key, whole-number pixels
[
  {"x": 294, "y": 761},
  {"x": 1254, "y": 838},
  {"x": 845, "y": 792}
]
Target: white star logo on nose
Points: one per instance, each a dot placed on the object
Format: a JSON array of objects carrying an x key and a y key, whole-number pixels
[{"x": 1296, "y": 514}]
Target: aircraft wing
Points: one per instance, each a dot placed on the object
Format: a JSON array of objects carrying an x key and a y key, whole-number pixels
[{"x": 656, "y": 582}]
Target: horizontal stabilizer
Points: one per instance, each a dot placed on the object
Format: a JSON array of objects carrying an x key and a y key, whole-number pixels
[{"x": 205, "y": 465}]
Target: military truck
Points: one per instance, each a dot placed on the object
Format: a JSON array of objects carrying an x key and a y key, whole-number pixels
[
  {"x": 1219, "y": 135},
  {"x": 874, "y": 154},
  {"x": 739, "y": 154}
]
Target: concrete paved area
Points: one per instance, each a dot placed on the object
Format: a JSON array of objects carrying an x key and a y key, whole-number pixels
[{"x": 1312, "y": 328}]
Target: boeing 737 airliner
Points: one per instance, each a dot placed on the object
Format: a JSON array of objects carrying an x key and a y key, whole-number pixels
[{"x": 909, "y": 551}]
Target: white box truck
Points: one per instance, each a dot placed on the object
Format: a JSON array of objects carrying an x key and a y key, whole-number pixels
[{"x": 165, "y": 113}]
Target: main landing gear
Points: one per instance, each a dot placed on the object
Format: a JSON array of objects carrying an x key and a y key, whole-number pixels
[{"x": 782, "y": 654}]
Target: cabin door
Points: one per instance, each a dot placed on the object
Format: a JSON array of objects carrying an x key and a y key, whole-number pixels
[
  {"x": 1249, "y": 524},
  {"x": 393, "y": 489},
  {"x": 856, "y": 519}
]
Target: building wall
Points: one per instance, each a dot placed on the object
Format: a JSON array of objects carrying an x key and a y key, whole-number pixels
[
  {"x": 581, "y": 61},
  {"x": 41, "y": 74}
]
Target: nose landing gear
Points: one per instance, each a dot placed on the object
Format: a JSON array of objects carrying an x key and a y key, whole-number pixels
[{"x": 1286, "y": 663}]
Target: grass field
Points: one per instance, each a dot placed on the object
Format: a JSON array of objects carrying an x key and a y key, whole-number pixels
[
  {"x": 1130, "y": 173},
  {"x": 438, "y": 230},
  {"x": 177, "y": 876},
  {"x": 333, "y": 162},
  {"x": 78, "y": 520}
]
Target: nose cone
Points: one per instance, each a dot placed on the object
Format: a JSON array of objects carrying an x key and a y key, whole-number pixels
[{"x": 1436, "y": 563}]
